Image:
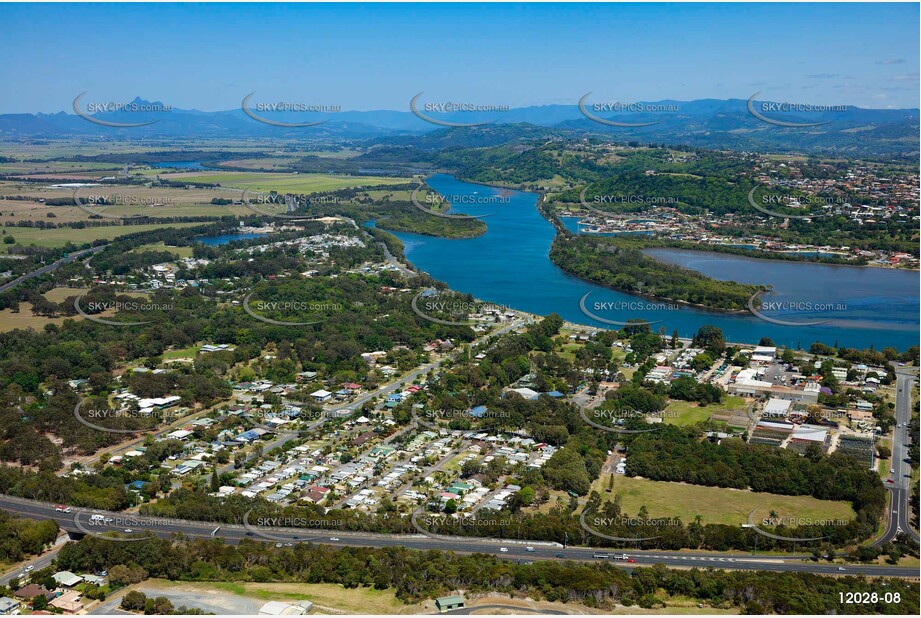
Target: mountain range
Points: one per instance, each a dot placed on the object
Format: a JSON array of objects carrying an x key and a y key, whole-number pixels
[{"x": 705, "y": 123}]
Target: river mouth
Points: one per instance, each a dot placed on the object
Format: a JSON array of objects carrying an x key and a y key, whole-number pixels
[{"x": 510, "y": 265}]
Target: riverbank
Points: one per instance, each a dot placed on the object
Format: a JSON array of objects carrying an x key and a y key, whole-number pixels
[{"x": 510, "y": 265}]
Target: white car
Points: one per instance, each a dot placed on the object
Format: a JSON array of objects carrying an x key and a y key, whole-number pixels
[
  {"x": 31, "y": 567},
  {"x": 333, "y": 538},
  {"x": 529, "y": 549},
  {"x": 128, "y": 530},
  {"x": 504, "y": 550},
  {"x": 840, "y": 568}
]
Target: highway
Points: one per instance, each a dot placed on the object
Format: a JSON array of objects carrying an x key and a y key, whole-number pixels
[
  {"x": 47, "y": 268},
  {"x": 517, "y": 550},
  {"x": 900, "y": 489}
]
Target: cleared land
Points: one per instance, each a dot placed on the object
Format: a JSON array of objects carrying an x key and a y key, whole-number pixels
[
  {"x": 58, "y": 238},
  {"x": 182, "y": 252},
  {"x": 246, "y": 595},
  {"x": 289, "y": 183},
  {"x": 690, "y": 412},
  {"x": 715, "y": 505}
]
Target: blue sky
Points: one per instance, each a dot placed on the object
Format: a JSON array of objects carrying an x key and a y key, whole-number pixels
[{"x": 377, "y": 56}]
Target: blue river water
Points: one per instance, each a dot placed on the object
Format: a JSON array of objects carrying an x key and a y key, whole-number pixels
[
  {"x": 510, "y": 265},
  {"x": 223, "y": 239}
]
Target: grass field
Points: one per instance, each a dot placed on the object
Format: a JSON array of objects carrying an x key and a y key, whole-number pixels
[
  {"x": 182, "y": 252},
  {"x": 715, "y": 505},
  {"x": 689, "y": 412},
  {"x": 331, "y": 596},
  {"x": 189, "y": 352},
  {"x": 289, "y": 183},
  {"x": 58, "y": 238},
  {"x": 24, "y": 319}
]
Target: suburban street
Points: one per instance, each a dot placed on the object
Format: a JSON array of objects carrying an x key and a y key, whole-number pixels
[
  {"x": 517, "y": 550},
  {"x": 900, "y": 489}
]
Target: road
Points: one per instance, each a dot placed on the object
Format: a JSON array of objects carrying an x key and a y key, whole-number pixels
[
  {"x": 900, "y": 489},
  {"x": 516, "y": 549},
  {"x": 423, "y": 369},
  {"x": 47, "y": 268},
  {"x": 38, "y": 562}
]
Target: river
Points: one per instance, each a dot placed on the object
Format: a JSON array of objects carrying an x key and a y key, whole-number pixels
[{"x": 510, "y": 265}]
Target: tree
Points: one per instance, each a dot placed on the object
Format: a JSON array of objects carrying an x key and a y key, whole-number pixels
[
  {"x": 710, "y": 338},
  {"x": 766, "y": 341},
  {"x": 9, "y": 240},
  {"x": 451, "y": 506},
  {"x": 134, "y": 600}
]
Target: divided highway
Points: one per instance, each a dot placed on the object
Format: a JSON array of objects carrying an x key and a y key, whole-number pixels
[{"x": 517, "y": 550}]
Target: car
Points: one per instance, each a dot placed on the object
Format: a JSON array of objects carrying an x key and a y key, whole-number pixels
[
  {"x": 504, "y": 550},
  {"x": 31, "y": 567},
  {"x": 891, "y": 470},
  {"x": 278, "y": 545},
  {"x": 103, "y": 573},
  {"x": 128, "y": 530},
  {"x": 840, "y": 568},
  {"x": 333, "y": 538},
  {"x": 890, "y": 481},
  {"x": 560, "y": 556},
  {"x": 529, "y": 549},
  {"x": 250, "y": 534},
  {"x": 631, "y": 559}
]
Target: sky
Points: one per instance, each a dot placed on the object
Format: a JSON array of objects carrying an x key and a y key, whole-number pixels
[{"x": 378, "y": 56}]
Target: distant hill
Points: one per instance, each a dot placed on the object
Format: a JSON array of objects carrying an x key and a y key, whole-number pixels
[{"x": 705, "y": 123}]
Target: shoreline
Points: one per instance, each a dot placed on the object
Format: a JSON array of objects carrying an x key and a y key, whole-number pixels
[{"x": 561, "y": 230}]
